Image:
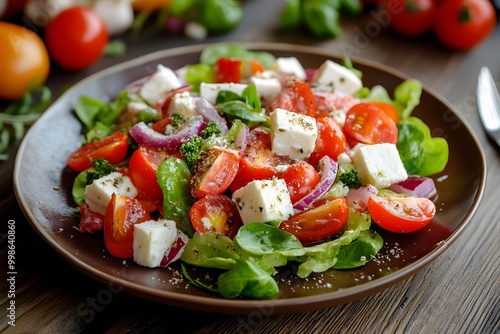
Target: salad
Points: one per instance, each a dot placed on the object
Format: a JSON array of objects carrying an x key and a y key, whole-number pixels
[{"x": 245, "y": 163}]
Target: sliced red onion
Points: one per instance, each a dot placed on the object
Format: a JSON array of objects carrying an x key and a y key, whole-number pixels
[
  {"x": 327, "y": 168},
  {"x": 310, "y": 73},
  {"x": 415, "y": 186},
  {"x": 241, "y": 138},
  {"x": 357, "y": 198},
  {"x": 174, "y": 253},
  {"x": 206, "y": 109},
  {"x": 144, "y": 135},
  {"x": 134, "y": 86},
  {"x": 174, "y": 25}
]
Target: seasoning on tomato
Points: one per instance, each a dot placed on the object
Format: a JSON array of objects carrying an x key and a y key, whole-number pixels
[
  {"x": 297, "y": 97},
  {"x": 215, "y": 214},
  {"x": 112, "y": 148},
  {"x": 24, "y": 61},
  {"x": 76, "y": 37},
  {"x": 401, "y": 214},
  {"x": 330, "y": 141}
]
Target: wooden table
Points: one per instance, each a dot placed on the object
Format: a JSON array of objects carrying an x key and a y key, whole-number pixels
[{"x": 457, "y": 293}]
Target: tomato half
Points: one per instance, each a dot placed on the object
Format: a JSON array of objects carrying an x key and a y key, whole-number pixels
[
  {"x": 142, "y": 171},
  {"x": 112, "y": 148},
  {"x": 301, "y": 178},
  {"x": 368, "y": 124},
  {"x": 76, "y": 37},
  {"x": 213, "y": 173},
  {"x": 24, "y": 61},
  {"x": 463, "y": 24},
  {"x": 331, "y": 140},
  {"x": 257, "y": 162},
  {"x": 297, "y": 97},
  {"x": 401, "y": 214},
  {"x": 387, "y": 108},
  {"x": 216, "y": 214},
  {"x": 412, "y": 17},
  {"x": 324, "y": 219},
  {"x": 121, "y": 215}
]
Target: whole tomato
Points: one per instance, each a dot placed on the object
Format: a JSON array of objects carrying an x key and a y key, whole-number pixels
[
  {"x": 463, "y": 24},
  {"x": 24, "y": 61},
  {"x": 411, "y": 17},
  {"x": 76, "y": 37}
]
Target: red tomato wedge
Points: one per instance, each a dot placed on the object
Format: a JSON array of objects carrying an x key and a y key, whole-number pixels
[
  {"x": 228, "y": 70},
  {"x": 112, "y": 148},
  {"x": 331, "y": 141},
  {"x": 121, "y": 215},
  {"x": 297, "y": 97},
  {"x": 142, "y": 171},
  {"x": 324, "y": 219},
  {"x": 214, "y": 172},
  {"x": 216, "y": 214},
  {"x": 257, "y": 162},
  {"x": 401, "y": 214},
  {"x": 368, "y": 124},
  {"x": 301, "y": 178}
]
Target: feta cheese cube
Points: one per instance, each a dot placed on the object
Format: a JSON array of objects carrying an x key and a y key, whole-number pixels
[
  {"x": 210, "y": 91},
  {"x": 290, "y": 65},
  {"x": 338, "y": 77},
  {"x": 98, "y": 193},
  {"x": 263, "y": 201},
  {"x": 378, "y": 164},
  {"x": 292, "y": 134},
  {"x": 267, "y": 88},
  {"x": 151, "y": 240},
  {"x": 184, "y": 104},
  {"x": 158, "y": 85}
]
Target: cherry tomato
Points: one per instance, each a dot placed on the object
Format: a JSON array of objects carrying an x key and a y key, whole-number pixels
[
  {"x": 112, "y": 148},
  {"x": 227, "y": 70},
  {"x": 463, "y": 24},
  {"x": 297, "y": 97},
  {"x": 327, "y": 102},
  {"x": 24, "y": 61},
  {"x": 142, "y": 171},
  {"x": 149, "y": 5},
  {"x": 121, "y": 215},
  {"x": 301, "y": 178},
  {"x": 387, "y": 108},
  {"x": 216, "y": 214},
  {"x": 412, "y": 17},
  {"x": 331, "y": 141},
  {"x": 367, "y": 124},
  {"x": 10, "y": 8},
  {"x": 76, "y": 37},
  {"x": 401, "y": 214},
  {"x": 257, "y": 162},
  {"x": 214, "y": 172},
  {"x": 324, "y": 219}
]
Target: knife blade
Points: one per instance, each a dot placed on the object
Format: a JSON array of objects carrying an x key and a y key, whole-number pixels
[{"x": 488, "y": 100}]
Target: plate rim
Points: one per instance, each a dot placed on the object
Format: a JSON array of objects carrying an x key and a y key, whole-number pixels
[{"x": 239, "y": 306}]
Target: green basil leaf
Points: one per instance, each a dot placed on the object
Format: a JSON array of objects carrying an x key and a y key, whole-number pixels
[{"x": 260, "y": 239}]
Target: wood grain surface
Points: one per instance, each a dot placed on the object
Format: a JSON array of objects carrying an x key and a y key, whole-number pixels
[{"x": 457, "y": 293}]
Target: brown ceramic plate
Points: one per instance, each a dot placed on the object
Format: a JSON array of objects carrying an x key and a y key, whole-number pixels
[{"x": 43, "y": 185}]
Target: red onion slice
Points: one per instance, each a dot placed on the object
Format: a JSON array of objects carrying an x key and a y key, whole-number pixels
[
  {"x": 357, "y": 198},
  {"x": 327, "y": 167},
  {"x": 144, "y": 135},
  {"x": 415, "y": 186},
  {"x": 174, "y": 253},
  {"x": 210, "y": 113}
]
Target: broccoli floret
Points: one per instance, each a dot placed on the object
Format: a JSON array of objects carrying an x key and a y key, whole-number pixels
[
  {"x": 177, "y": 120},
  {"x": 101, "y": 168},
  {"x": 210, "y": 130},
  {"x": 191, "y": 149},
  {"x": 349, "y": 176}
]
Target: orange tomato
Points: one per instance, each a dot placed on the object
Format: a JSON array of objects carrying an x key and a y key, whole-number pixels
[{"x": 24, "y": 61}]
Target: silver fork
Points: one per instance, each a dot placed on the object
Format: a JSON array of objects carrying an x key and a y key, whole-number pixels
[{"x": 488, "y": 100}]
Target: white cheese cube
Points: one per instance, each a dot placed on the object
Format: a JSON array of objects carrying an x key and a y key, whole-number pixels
[
  {"x": 184, "y": 104},
  {"x": 263, "y": 201},
  {"x": 292, "y": 134},
  {"x": 338, "y": 77},
  {"x": 151, "y": 240},
  {"x": 267, "y": 88},
  {"x": 154, "y": 91},
  {"x": 378, "y": 164},
  {"x": 290, "y": 65},
  {"x": 98, "y": 193},
  {"x": 210, "y": 90}
]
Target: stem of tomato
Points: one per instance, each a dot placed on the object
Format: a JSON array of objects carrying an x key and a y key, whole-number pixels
[{"x": 465, "y": 14}]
